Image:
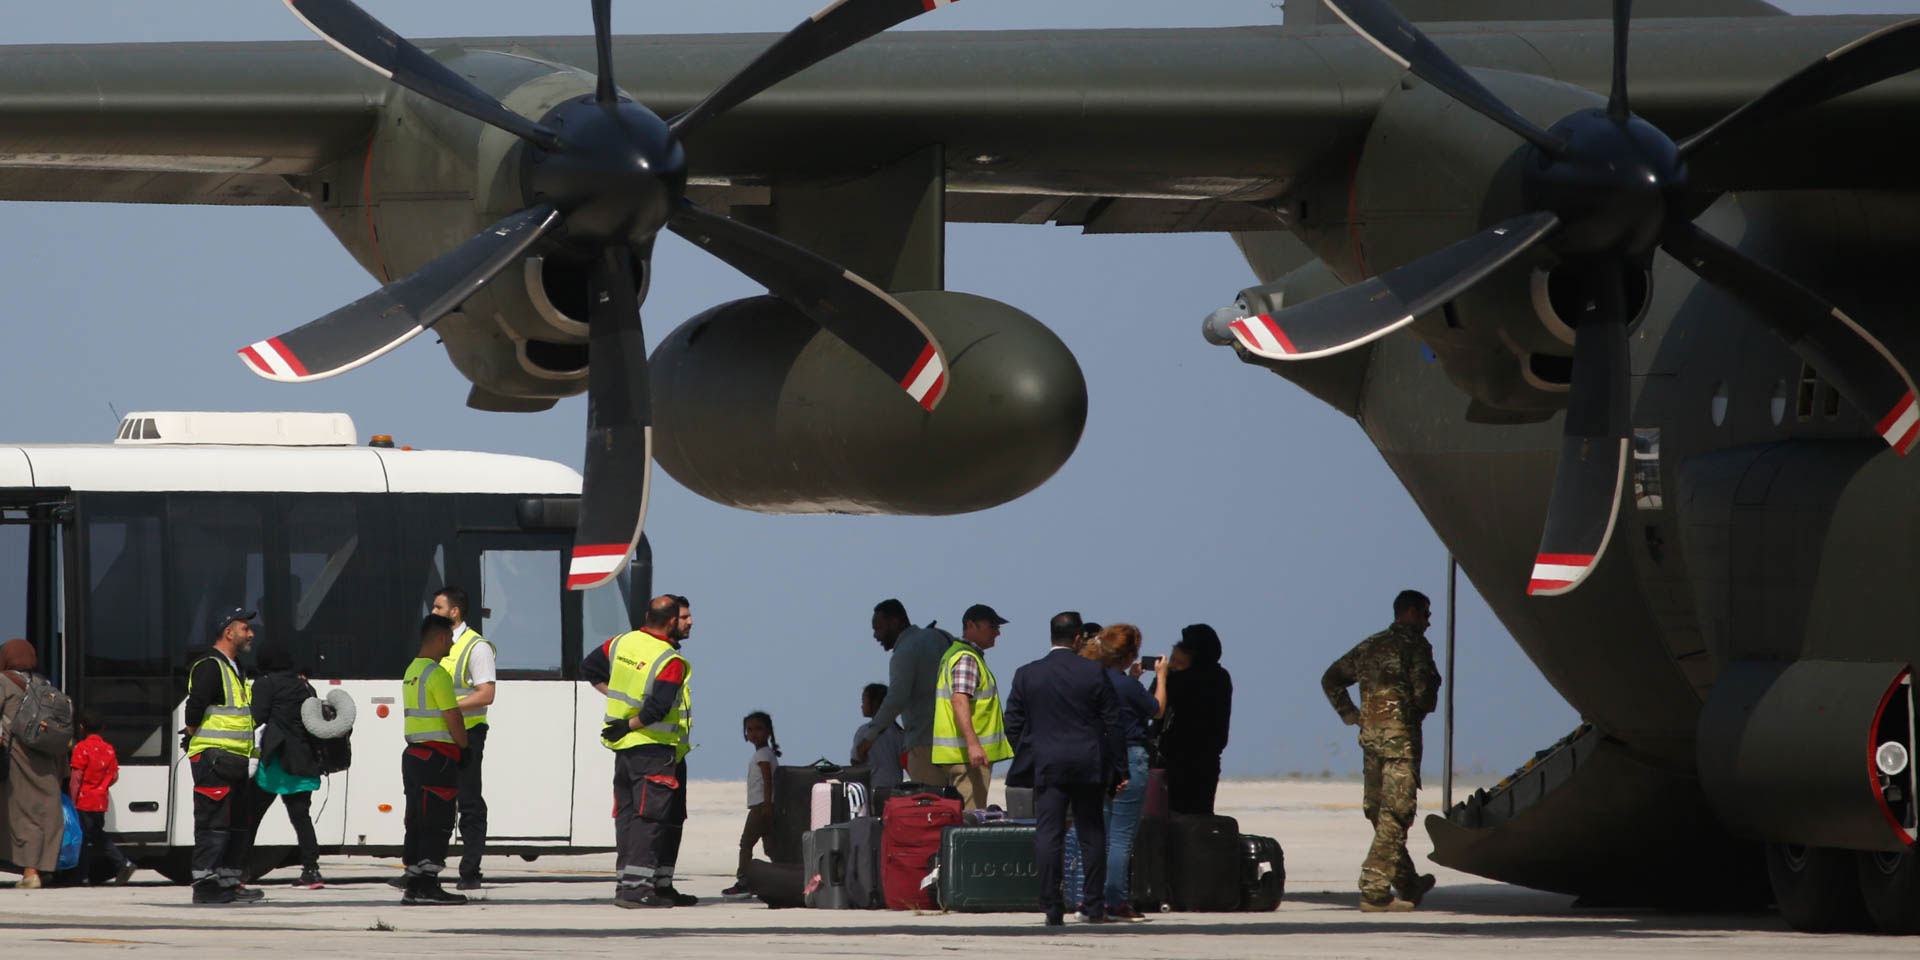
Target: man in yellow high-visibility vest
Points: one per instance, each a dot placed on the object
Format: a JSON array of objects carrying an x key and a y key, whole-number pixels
[
  {"x": 969, "y": 730},
  {"x": 219, "y": 744},
  {"x": 471, "y": 663},
  {"x": 430, "y": 764}
]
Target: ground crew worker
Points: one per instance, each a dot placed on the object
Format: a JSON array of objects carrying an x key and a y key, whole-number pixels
[
  {"x": 1398, "y": 685},
  {"x": 969, "y": 732},
  {"x": 649, "y": 728},
  {"x": 430, "y": 764},
  {"x": 471, "y": 664},
  {"x": 219, "y": 744}
]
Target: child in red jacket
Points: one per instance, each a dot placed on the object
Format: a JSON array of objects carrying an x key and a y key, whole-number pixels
[{"x": 95, "y": 768}]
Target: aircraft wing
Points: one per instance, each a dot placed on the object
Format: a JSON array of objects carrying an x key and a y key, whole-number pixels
[{"x": 1108, "y": 130}]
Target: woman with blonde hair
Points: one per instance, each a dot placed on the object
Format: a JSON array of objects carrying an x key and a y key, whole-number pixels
[{"x": 1118, "y": 649}]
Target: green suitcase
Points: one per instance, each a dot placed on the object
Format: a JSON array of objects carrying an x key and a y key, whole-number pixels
[{"x": 988, "y": 869}]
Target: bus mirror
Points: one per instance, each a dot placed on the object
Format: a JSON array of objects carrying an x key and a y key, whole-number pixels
[{"x": 548, "y": 513}]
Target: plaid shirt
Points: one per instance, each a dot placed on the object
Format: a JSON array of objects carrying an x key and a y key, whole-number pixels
[{"x": 965, "y": 677}]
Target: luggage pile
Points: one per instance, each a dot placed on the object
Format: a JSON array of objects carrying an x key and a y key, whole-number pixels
[{"x": 914, "y": 850}]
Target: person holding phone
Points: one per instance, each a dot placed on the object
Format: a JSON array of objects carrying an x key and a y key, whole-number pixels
[{"x": 1116, "y": 648}]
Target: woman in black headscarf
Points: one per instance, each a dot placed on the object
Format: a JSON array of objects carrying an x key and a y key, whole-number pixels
[
  {"x": 288, "y": 767},
  {"x": 1199, "y": 709},
  {"x": 31, "y": 822}
]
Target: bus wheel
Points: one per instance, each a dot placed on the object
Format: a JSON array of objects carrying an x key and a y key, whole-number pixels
[
  {"x": 1890, "y": 886},
  {"x": 1815, "y": 888}
]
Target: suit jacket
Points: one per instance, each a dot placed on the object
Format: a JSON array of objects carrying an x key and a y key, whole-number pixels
[{"x": 1064, "y": 722}]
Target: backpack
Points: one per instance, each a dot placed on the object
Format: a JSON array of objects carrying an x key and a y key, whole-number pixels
[
  {"x": 329, "y": 724},
  {"x": 44, "y": 722}
]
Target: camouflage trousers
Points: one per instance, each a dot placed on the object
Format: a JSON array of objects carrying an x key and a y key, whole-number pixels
[{"x": 1390, "y": 786}]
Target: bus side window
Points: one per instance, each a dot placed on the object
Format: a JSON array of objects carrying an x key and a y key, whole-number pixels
[
  {"x": 127, "y": 665},
  {"x": 520, "y": 592}
]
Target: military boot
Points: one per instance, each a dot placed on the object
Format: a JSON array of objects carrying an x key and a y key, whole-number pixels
[{"x": 1395, "y": 905}]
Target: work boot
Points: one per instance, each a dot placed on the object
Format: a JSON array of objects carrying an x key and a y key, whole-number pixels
[
  {"x": 401, "y": 882},
  {"x": 427, "y": 892},
  {"x": 310, "y": 878},
  {"x": 248, "y": 894},
  {"x": 1418, "y": 890},
  {"x": 679, "y": 899},
  {"x": 1395, "y": 905},
  {"x": 469, "y": 883},
  {"x": 637, "y": 897},
  {"x": 125, "y": 873},
  {"x": 207, "y": 891}
]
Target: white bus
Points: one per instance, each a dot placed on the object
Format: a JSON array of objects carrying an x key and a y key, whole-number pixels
[{"x": 115, "y": 557}]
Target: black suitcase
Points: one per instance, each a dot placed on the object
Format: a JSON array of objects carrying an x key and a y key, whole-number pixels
[
  {"x": 1020, "y": 803},
  {"x": 824, "y": 868},
  {"x": 793, "y": 804},
  {"x": 988, "y": 869},
  {"x": 1147, "y": 872},
  {"x": 1263, "y": 873},
  {"x": 776, "y": 884},
  {"x": 1203, "y": 858},
  {"x": 865, "y": 888}
]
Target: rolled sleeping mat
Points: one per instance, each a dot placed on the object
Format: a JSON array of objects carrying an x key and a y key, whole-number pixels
[{"x": 314, "y": 715}]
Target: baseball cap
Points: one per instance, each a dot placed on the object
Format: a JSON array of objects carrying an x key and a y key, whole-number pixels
[
  {"x": 237, "y": 613},
  {"x": 981, "y": 612}
]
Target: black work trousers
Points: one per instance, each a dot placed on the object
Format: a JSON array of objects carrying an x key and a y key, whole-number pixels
[
  {"x": 1191, "y": 785},
  {"x": 1050, "y": 806},
  {"x": 224, "y": 802},
  {"x": 432, "y": 781},
  {"x": 300, "y": 815},
  {"x": 649, "y": 811},
  {"x": 100, "y": 858},
  {"x": 473, "y": 805}
]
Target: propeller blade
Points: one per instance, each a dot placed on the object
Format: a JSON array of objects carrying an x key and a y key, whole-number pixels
[
  {"x": 877, "y": 326},
  {"x": 1853, "y": 360},
  {"x": 1377, "y": 306},
  {"x": 840, "y": 25},
  {"x": 390, "y": 316},
  {"x": 357, "y": 34},
  {"x": 1385, "y": 28},
  {"x": 1617, "y": 109},
  {"x": 603, "y": 50},
  {"x": 1591, "y": 474},
  {"x": 1878, "y": 56},
  {"x": 613, "y": 491}
]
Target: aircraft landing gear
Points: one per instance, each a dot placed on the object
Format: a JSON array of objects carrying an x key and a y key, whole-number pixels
[
  {"x": 1815, "y": 888},
  {"x": 1890, "y": 889}
]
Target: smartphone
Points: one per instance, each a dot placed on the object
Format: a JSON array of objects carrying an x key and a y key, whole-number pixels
[{"x": 1148, "y": 663}]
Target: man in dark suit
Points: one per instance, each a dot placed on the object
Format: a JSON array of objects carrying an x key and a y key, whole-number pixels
[{"x": 1064, "y": 721}]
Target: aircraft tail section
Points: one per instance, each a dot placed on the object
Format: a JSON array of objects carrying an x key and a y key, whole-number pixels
[{"x": 1587, "y": 817}]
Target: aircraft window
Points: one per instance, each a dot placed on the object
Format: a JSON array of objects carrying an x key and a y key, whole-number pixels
[
  {"x": 1832, "y": 405},
  {"x": 520, "y": 594},
  {"x": 1646, "y": 469},
  {"x": 1718, "y": 406},
  {"x": 1777, "y": 406},
  {"x": 1809, "y": 383}
]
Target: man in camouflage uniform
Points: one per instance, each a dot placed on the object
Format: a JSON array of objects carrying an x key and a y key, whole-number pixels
[{"x": 1398, "y": 684}]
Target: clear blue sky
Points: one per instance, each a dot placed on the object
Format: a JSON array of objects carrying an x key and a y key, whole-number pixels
[{"x": 1156, "y": 520}]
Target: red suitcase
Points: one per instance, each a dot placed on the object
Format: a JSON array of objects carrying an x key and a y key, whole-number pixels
[
  {"x": 909, "y": 843},
  {"x": 1156, "y": 800}
]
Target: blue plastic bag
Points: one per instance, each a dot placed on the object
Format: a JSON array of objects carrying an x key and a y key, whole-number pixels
[{"x": 71, "y": 838}]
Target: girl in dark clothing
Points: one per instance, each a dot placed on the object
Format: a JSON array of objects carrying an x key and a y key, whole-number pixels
[
  {"x": 288, "y": 768},
  {"x": 1199, "y": 709}
]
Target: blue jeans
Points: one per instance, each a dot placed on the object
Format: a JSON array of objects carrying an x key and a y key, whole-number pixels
[{"x": 1123, "y": 820}]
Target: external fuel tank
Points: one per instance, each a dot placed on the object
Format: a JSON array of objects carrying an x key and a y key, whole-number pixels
[{"x": 757, "y": 407}]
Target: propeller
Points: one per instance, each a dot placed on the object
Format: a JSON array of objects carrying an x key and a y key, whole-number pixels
[
  {"x": 609, "y": 184},
  {"x": 1604, "y": 189}
]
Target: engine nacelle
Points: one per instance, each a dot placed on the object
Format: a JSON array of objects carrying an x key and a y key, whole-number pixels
[{"x": 756, "y": 407}]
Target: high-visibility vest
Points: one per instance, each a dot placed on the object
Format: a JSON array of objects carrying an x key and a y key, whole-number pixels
[
  {"x": 227, "y": 726},
  {"x": 458, "y": 662},
  {"x": 989, "y": 727},
  {"x": 425, "y": 713},
  {"x": 637, "y": 658}
]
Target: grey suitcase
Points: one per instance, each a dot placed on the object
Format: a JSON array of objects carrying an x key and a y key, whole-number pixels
[
  {"x": 824, "y": 854},
  {"x": 864, "y": 884}
]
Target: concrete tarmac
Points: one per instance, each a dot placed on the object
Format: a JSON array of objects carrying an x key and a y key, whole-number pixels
[{"x": 558, "y": 907}]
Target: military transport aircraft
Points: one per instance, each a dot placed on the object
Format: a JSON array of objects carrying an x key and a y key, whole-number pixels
[{"x": 1669, "y": 338}]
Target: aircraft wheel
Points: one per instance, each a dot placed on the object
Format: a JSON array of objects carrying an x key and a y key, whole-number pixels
[
  {"x": 1816, "y": 889},
  {"x": 1890, "y": 888}
]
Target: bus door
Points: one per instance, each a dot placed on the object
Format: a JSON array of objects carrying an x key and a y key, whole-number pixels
[
  {"x": 31, "y": 568},
  {"x": 517, "y": 583}
]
